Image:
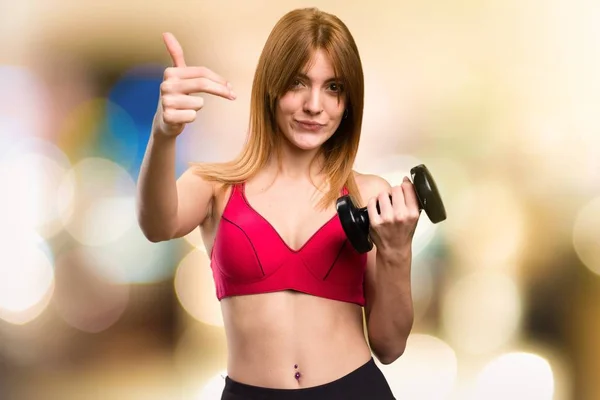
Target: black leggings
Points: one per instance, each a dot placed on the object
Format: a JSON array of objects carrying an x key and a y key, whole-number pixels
[{"x": 364, "y": 383}]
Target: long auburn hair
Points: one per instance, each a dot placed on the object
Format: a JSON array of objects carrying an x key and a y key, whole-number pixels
[{"x": 288, "y": 49}]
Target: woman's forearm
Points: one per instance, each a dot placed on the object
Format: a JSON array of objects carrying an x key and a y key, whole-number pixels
[{"x": 157, "y": 188}]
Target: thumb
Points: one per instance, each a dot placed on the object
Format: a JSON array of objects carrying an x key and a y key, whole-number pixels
[{"x": 174, "y": 49}]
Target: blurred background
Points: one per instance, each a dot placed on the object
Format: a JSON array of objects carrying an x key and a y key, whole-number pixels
[{"x": 499, "y": 98}]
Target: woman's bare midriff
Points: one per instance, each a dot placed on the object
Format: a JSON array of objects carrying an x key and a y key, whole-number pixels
[
  {"x": 273, "y": 336},
  {"x": 269, "y": 334}
]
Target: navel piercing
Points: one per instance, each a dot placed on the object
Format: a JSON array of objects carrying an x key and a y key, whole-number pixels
[{"x": 297, "y": 374}]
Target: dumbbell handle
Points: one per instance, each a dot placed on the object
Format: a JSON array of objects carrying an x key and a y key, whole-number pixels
[{"x": 379, "y": 211}]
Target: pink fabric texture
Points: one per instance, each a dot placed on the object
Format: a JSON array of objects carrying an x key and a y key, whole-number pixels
[{"x": 249, "y": 256}]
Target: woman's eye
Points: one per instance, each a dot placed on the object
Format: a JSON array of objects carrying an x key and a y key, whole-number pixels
[{"x": 334, "y": 87}]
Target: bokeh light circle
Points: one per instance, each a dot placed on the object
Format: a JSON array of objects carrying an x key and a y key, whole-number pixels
[
  {"x": 426, "y": 370},
  {"x": 31, "y": 173},
  {"x": 26, "y": 277},
  {"x": 516, "y": 376},
  {"x": 93, "y": 197},
  {"x": 85, "y": 300},
  {"x": 482, "y": 311},
  {"x": 586, "y": 235},
  {"x": 195, "y": 289}
]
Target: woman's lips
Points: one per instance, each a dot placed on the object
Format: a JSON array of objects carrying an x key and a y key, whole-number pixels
[{"x": 311, "y": 126}]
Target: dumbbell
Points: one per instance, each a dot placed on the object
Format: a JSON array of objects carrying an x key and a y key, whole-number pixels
[{"x": 355, "y": 221}]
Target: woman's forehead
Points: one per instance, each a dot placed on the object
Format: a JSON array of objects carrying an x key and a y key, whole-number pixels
[{"x": 319, "y": 66}]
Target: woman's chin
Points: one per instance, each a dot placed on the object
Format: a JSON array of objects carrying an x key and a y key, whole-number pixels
[{"x": 307, "y": 142}]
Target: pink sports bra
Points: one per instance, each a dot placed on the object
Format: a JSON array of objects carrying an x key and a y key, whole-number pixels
[{"x": 249, "y": 256}]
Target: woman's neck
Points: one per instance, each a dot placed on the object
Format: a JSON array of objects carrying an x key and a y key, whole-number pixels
[{"x": 291, "y": 163}]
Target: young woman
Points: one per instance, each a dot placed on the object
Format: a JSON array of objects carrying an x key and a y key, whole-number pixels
[{"x": 292, "y": 289}]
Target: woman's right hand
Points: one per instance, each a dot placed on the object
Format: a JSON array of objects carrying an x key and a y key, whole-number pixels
[{"x": 177, "y": 104}]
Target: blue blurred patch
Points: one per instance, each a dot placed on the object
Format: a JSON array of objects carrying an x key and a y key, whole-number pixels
[
  {"x": 136, "y": 93},
  {"x": 118, "y": 137}
]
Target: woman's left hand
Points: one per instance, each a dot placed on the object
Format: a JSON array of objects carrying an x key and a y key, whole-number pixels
[{"x": 393, "y": 228}]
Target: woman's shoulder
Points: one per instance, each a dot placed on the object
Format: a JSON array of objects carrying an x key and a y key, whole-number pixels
[
  {"x": 370, "y": 185},
  {"x": 218, "y": 176}
]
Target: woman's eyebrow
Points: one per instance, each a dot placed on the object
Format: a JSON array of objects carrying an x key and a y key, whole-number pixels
[{"x": 328, "y": 80}]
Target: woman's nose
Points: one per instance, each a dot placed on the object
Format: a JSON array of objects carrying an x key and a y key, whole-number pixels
[{"x": 312, "y": 104}]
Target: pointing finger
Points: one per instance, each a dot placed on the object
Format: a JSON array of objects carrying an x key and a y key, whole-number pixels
[
  {"x": 174, "y": 49},
  {"x": 194, "y": 72},
  {"x": 198, "y": 85}
]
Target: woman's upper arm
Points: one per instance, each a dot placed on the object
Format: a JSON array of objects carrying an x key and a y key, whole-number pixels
[
  {"x": 195, "y": 197},
  {"x": 371, "y": 186}
]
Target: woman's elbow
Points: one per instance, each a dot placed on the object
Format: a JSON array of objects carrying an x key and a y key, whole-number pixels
[
  {"x": 388, "y": 352},
  {"x": 389, "y": 356},
  {"x": 153, "y": 236},
  {"x": 152, "y": 232}
]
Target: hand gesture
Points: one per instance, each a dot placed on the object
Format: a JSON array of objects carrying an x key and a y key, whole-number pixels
[
  {"x": 177, "y": 105},
  {"x": 394, "y": 224}
]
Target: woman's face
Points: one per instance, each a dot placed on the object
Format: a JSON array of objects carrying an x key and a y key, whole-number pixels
[{"x": 311, "y": 111}]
